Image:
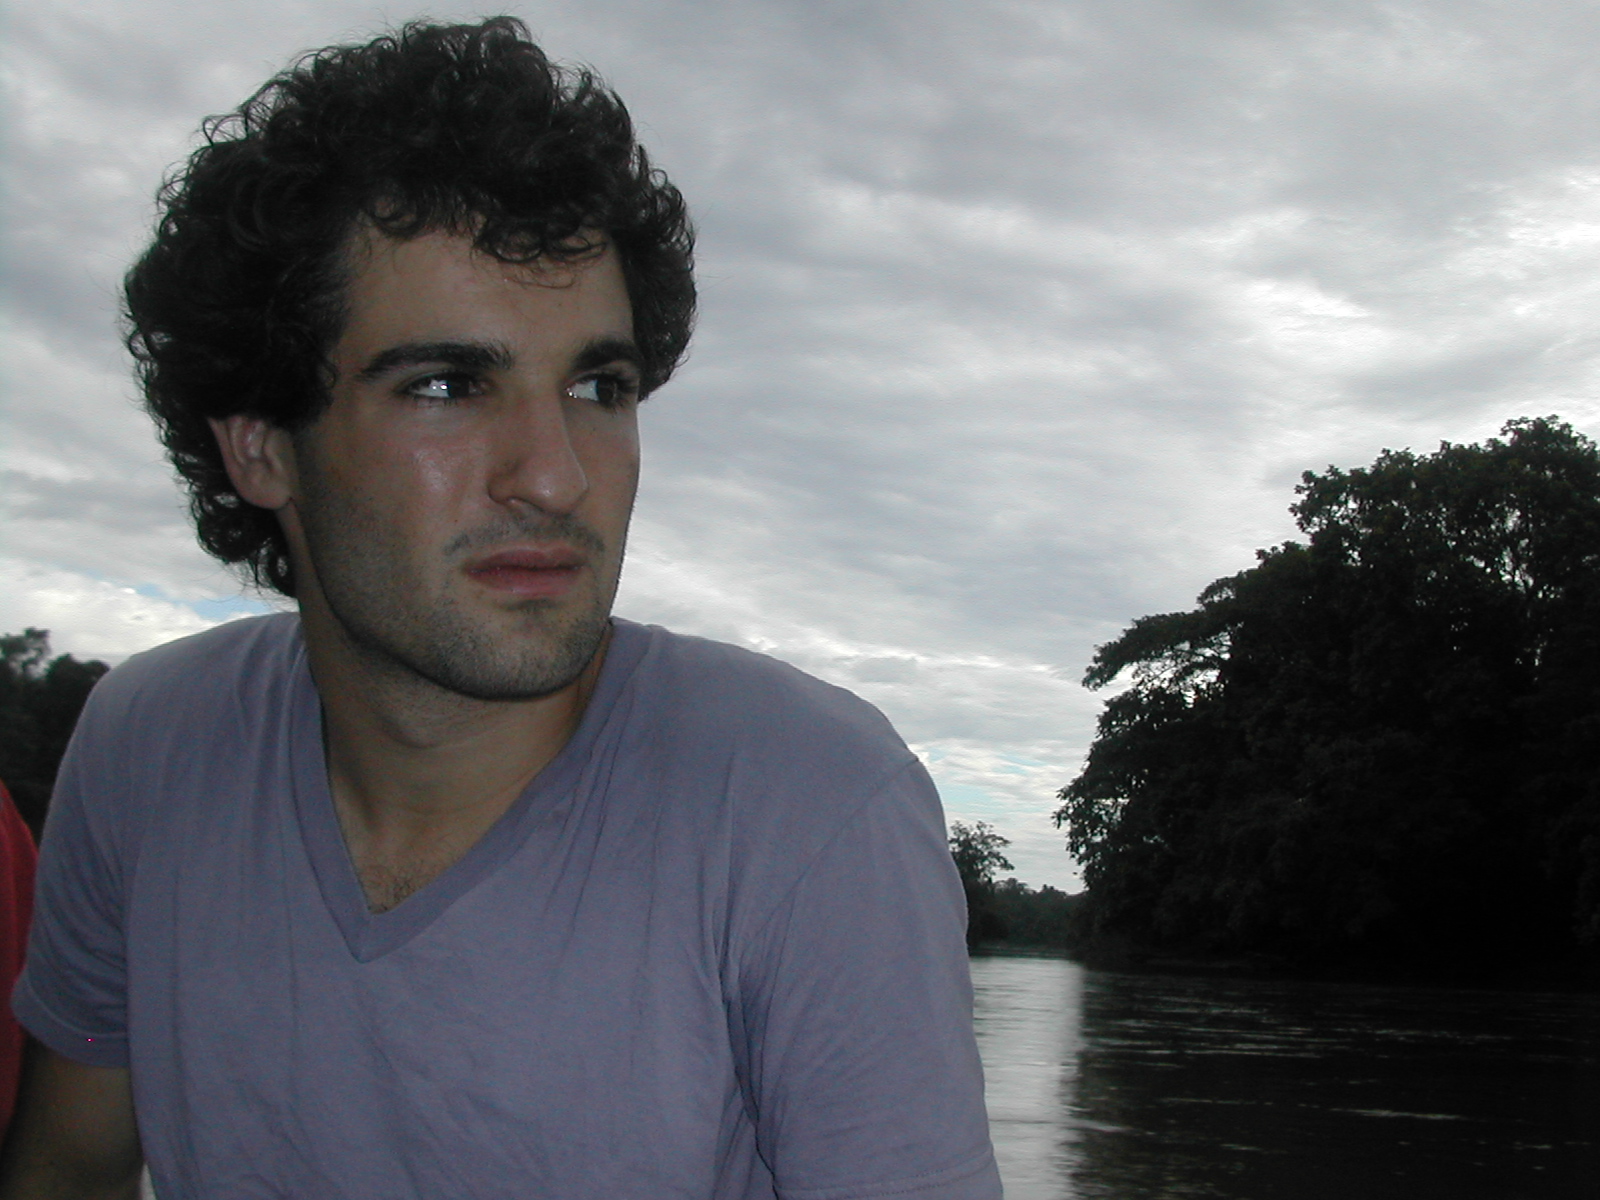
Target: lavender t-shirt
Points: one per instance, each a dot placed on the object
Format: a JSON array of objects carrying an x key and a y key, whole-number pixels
[{"x": 714, "y": 950}]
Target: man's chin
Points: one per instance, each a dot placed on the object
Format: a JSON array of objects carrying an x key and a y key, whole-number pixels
[{"x": 510, "y": 666}]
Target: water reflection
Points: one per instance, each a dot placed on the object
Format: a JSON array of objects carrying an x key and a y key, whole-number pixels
[
  {"x": 1029, "y": 1024},
  {"x": 1117, "y": 1086}
]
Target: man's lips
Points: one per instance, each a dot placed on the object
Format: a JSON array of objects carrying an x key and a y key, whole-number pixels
[{"x": 530, "y": 571}]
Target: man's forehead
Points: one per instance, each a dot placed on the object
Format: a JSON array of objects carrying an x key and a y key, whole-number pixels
[{"x": 440, "y": 285}]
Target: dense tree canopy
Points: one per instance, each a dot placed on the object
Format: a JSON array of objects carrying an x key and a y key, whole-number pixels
[
  {"x": 979, "y": 853},
  {"x": 1032, "y": 919},
  {"x": 1382, "y": 743},
  {"x": 40, "y": 699},
  {"x": 1006, "y": 913}
]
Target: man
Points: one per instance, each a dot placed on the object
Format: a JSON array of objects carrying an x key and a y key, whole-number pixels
[{"x": 452, "y": 885}]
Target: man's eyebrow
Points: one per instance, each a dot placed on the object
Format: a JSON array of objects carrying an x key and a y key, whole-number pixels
[
  {"x": 478, "y": 356},
  {"x": 603, "y": 350}
]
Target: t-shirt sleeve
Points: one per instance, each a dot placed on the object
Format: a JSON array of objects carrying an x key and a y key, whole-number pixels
[
  {"x": 854, "y": 1016},
  {"x": 72, "y": 991}
]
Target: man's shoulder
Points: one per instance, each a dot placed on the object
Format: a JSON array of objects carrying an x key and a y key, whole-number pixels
[
  {"x": 252, "y": 652},
  {"x": 742, "y": 686},
  {"x": 158, "y": 721},
  {"x": 716, "y": 695}
]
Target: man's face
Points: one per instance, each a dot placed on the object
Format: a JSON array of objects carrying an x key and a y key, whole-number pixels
[{"x": 463, "y": 502}]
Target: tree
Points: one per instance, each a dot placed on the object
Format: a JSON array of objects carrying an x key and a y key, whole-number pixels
[
  {"x": 1041, "y": 919},
  {"x": 40, "y": 699},
  {"x": 1383, "y": 742},
  {"x": 979, "y": 853},
  {"x": 979, "y": 856}
]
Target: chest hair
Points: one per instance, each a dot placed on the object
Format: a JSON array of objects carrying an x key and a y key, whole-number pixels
[{"x": 386, "y": 883}]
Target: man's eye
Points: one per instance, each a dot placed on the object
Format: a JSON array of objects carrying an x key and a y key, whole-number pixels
[
  {"x": 608, "y": 391},
  {"x": 447, "y": 385}
]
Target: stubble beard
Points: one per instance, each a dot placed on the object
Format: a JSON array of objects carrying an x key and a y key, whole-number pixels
[
  {"x": 396, "y": 626},
  {"x": 458, "y": 655}
]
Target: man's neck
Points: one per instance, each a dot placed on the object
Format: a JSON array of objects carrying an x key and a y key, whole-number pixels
[{"x": 419, "y": 773}]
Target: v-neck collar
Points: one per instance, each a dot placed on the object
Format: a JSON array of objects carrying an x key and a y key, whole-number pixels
[{"x": 372, "y": 935}]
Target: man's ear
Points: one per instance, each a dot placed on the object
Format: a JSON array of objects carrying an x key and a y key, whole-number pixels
[{"x": 260, "y": 459}]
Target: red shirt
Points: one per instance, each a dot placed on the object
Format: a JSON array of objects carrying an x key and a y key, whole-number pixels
[{"x": 17, "y": 859}]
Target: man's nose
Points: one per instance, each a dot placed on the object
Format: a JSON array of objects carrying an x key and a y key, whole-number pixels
[{"x": 535, "y": 462}]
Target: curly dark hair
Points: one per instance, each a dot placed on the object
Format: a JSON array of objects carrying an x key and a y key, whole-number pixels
[{"x": 239, "y": 300}]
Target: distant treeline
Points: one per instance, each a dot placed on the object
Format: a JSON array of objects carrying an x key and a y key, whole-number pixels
[
  {"x": 1005, "y": 913},
  {"x": 1377, "y": 750},
  {"x": 40, "y": 698}
]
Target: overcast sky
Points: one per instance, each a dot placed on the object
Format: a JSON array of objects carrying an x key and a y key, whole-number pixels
[{"x": 1019, "y": 320}]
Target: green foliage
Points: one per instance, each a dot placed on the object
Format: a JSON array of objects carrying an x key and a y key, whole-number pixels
[
  {"x": 1042, "y": 919},
  {"x": 1383, "y": 742},
  {"x": 978, "y": 851},
  {"x": 979, "y": 855},
  {"x": 40, "y": 699}
]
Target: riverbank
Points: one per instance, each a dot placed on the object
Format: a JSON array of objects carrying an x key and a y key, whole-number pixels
[
  {"x": 1010, "y": 918},
  {"x": 1113, "y": 954}
]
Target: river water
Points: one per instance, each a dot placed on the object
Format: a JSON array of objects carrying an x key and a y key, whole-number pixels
[{"x": 1106, "y": 1086}]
